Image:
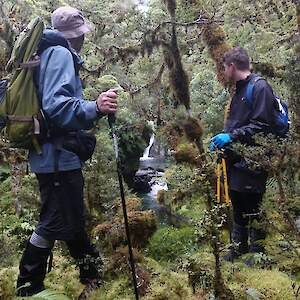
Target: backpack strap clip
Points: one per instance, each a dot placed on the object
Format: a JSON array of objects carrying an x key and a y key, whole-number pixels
[
  {"x": 30, "y": 64},
  {"x": 37, "y": 127}
]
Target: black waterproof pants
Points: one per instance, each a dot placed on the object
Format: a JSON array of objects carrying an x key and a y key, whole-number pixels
[
  {"x": 62, "y": 217},
  {"x": 246, "y": 209},
  {"x": 62, "y": 214}
]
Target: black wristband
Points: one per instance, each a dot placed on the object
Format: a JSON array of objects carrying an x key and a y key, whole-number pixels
[{"x": 99, "y": 113}]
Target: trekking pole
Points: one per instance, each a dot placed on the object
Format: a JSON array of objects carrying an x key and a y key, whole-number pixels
[
  {"x": 111, "y": 122},
  {"x": 221, "y": 164},
  {"x": 218, "y": 181},
  {"x": 225, "y": 182}
]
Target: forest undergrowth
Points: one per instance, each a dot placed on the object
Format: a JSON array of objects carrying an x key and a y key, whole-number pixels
[{"x": 166, "y": 61}]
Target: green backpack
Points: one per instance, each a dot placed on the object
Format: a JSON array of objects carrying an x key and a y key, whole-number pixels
[{"x": 19, "y": 103}]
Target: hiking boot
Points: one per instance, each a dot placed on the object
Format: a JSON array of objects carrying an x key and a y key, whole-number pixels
[
  {"x": 87, "y": 257},
  {"x": 230, "y": 256},
  {"x": 257, "y": 236},
  {"x": 32, "y": 268},
  {"x": 239, "y": 235},
  {"x": 89, "y": 268}
]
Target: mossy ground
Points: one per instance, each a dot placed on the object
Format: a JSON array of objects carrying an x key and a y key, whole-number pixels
[{"x": 167, "y": 282}]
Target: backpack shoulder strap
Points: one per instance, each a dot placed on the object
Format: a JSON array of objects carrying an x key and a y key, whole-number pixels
[
  {"x": 26, "y": 44},
  {"x": 249, "y": 91}
]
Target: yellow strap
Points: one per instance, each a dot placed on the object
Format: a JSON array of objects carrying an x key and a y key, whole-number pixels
[
  {"x": 219, "y": 183},
  {"x": 36, "y": 145},
  {"x": 225, "y": 181}
]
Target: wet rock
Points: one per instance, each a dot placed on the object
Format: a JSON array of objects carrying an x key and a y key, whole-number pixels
[{"x": 142, "y": 179}]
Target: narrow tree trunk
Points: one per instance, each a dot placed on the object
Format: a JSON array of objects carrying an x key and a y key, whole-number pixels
[
  {"x": 297, "y": 4},
  {"x": 284, "y": 207}
]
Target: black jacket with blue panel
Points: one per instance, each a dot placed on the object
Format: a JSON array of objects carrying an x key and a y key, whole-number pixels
[{"x": 243, "y": 121}]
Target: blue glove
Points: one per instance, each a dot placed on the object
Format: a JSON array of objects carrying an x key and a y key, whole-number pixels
[
  {"x": 221, "y": 139},
  {"x": 212, "y": 146}
]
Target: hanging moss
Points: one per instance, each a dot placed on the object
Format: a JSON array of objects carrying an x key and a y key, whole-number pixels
[
  {"x": 171, "y": 7},
  {"x": 174, "y": 132},
  {"x": 193, "y": 129},
  {"x": 160, "y": 197},
  {"x": 187, "y": 153},
  {"x": 189, "y": 3},
  {"x": 178, "y": 77},
  {"x": 215, "y": 38},
  {"x": 267, "y": 69},
  {"x": 111, "y": 235},
  {"x": 124, "y": 54},
  {"x": 132, "y": 204}
]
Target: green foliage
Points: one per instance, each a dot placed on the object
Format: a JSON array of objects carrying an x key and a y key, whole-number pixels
[
  {"x": 169, "y": 244},
  {"x": 184, "y": 195},
  {"x": 119, "y": 289},
  {"x": 133, "y": 138},
  {"x": 126, "y": 43},
  {"x": 260, "y": 259},
  {"x": 170, "y": 286},
  {"x": 267, "y": 282},
  {"x": 47, "y": 295},
  {"x": 209, "y": 100},
  {"x": 15, "y": 229},
  {"x": 101, "y": 182},
  {"x": 4, "y": 173},
  {"x": 7, "y": 284},
  {"x": 200, "y": 272},
  {"x": 292, "y": 76}
]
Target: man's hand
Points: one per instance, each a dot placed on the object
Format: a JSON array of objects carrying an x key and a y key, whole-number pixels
[
  {"x": 107, "y": 101},
  {"x": 219, "y": 140}
]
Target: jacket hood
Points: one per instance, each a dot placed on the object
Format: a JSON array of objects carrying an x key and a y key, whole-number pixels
[{"x": 52, "y": 37}]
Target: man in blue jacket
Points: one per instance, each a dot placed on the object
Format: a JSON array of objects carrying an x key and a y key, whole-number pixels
[
  {"x": 62, "y": 215},
  {"x": 242, "y": 122}
]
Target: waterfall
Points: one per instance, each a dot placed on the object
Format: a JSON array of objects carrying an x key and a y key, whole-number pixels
[
  {"x": 148, "y": 180},
  {"x": 142, "y": 5},
  {"x": 147, "y": 150}
]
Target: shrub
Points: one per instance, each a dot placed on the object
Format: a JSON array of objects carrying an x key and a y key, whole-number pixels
[{"x": 169, "y": 243}]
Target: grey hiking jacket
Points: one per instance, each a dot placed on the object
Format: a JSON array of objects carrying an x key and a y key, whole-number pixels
[{"x": 60, "y": 91}]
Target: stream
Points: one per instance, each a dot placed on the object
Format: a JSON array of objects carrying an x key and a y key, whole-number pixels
[
  {"x": 154, "y": 166},
  {"x": 149, "y": 199}
]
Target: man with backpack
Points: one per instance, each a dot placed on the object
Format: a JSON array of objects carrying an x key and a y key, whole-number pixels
[
  {"x": 62, "y": 215},
  {"x": 243, "y": 121}
]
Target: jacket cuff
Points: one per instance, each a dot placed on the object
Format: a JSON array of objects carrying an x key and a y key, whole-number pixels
[
  {"x": 99, "y": 113},
  {"x": 232, "y": 137}
]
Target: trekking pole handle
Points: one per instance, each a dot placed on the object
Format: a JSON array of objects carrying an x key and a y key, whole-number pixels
[{"x": 111, "y": 119}]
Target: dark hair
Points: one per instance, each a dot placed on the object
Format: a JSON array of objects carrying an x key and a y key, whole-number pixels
[{"x": 239, "y": 56}]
